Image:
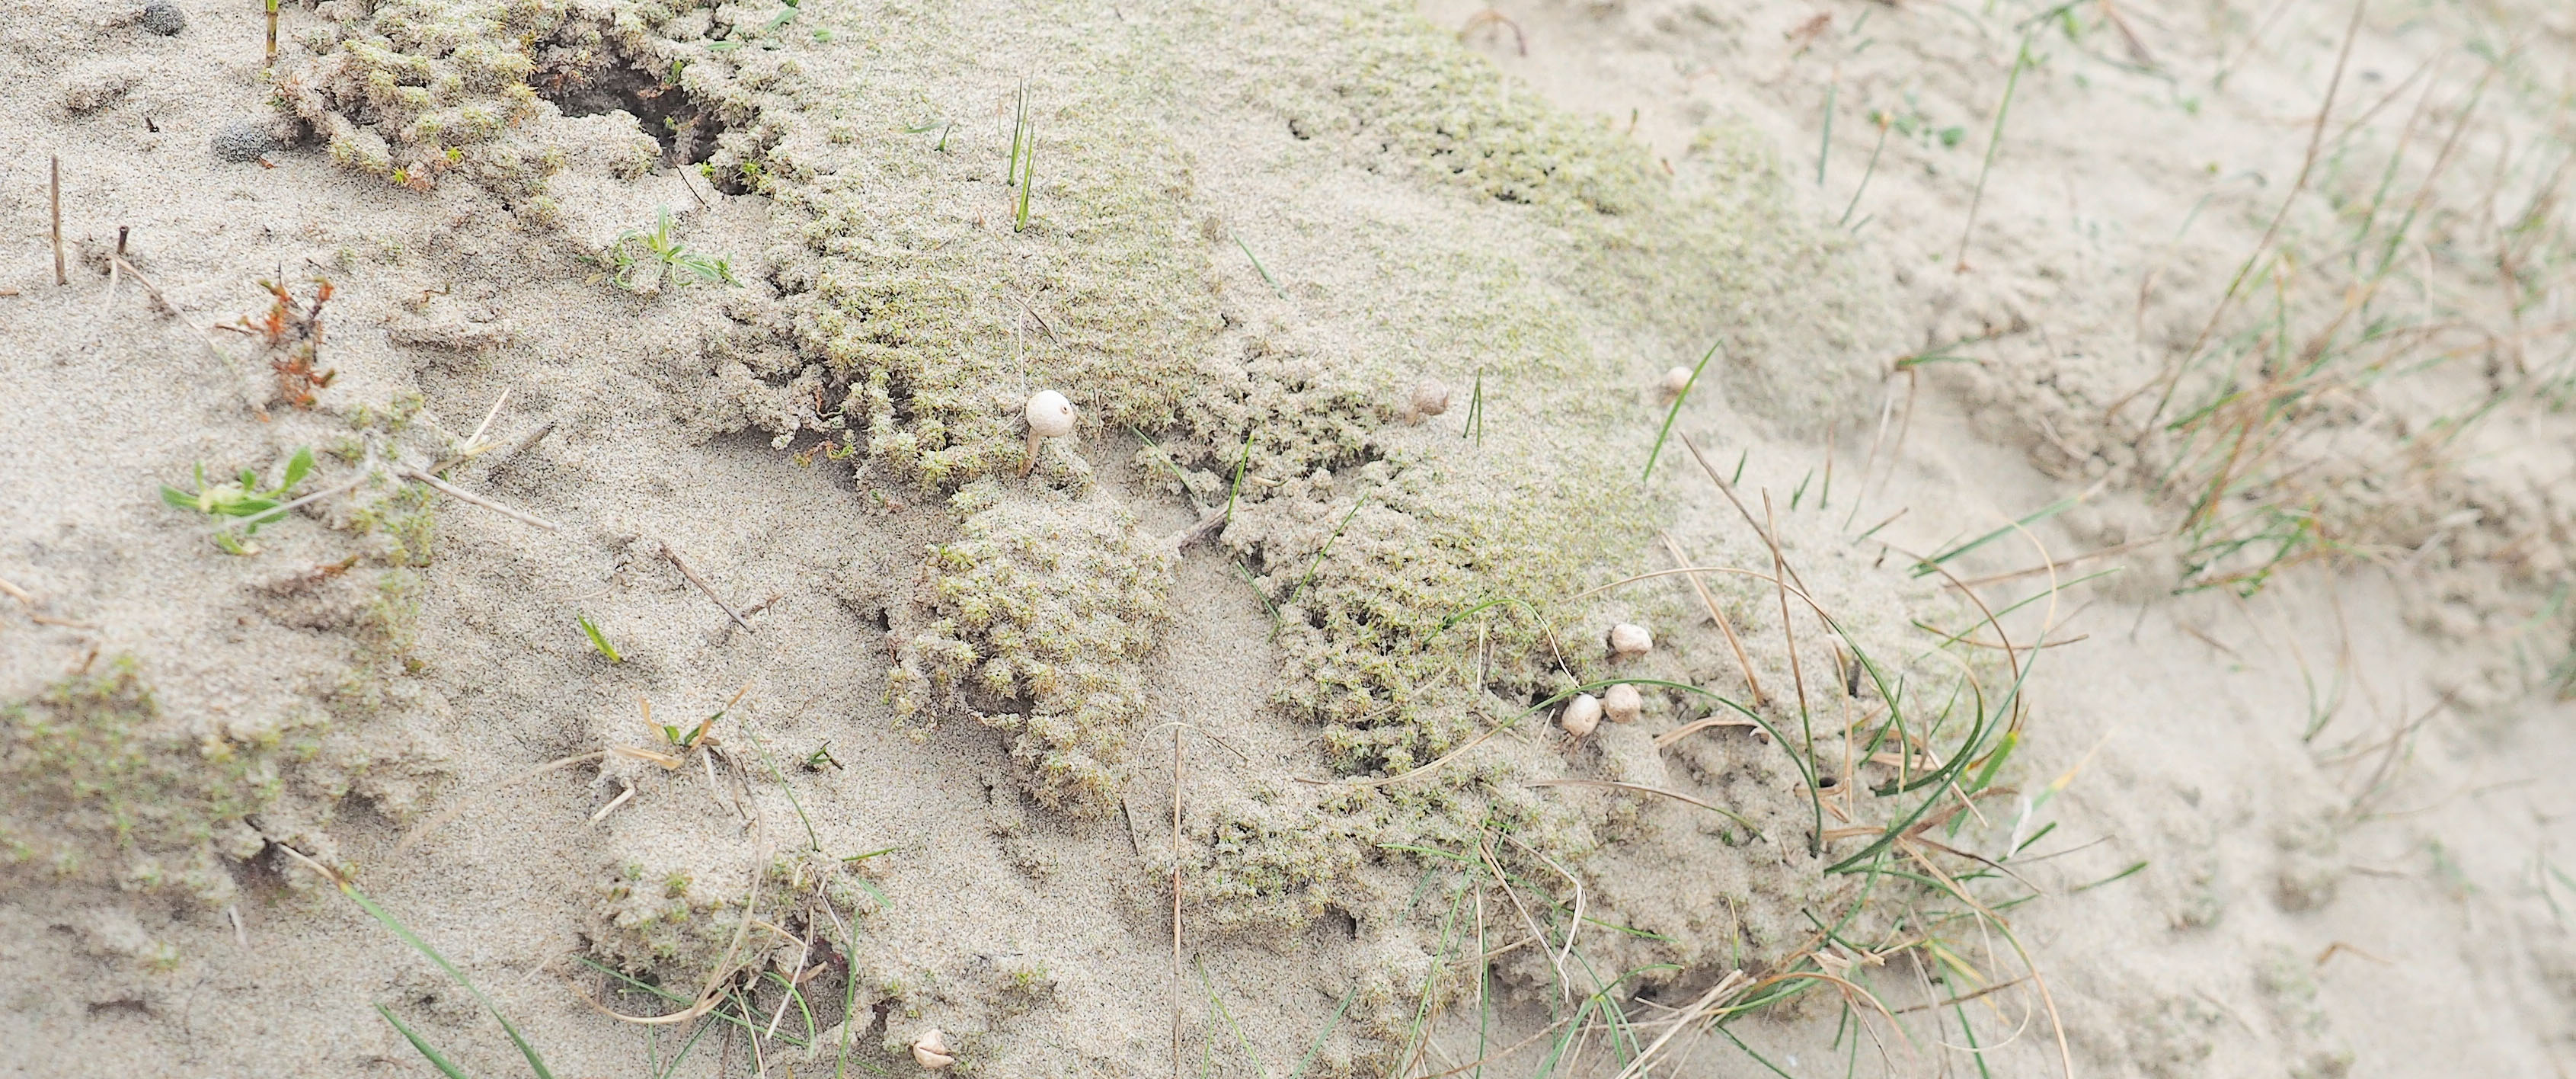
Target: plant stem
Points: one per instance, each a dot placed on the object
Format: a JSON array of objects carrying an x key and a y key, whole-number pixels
[{"x": 1994, "y": 141}]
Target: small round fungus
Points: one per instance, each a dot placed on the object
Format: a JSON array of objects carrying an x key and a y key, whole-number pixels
[
  {"x": 1675, "y": 381},
  {"x": 1622, "y": 703},
  {"x": 1628, "y": 641},
  {"x": 931, "y": 1050},
  {"x": 1581, "y": 715},
  {"x": 1429, "y": 398},
  {"x": 1050, "y": 416}
]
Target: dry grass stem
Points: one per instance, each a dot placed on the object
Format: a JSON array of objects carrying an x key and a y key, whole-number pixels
[
  {"x": 60, "y": 277},
  {"x": 463, "y": 495},
  {"x": 692, "y": 574},
  {"x": 1725, "y": 626},
  {"x": 1788, "y": 632}
]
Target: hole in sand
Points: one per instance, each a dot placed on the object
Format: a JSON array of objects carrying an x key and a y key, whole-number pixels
[{"x": 686, "y": 131}]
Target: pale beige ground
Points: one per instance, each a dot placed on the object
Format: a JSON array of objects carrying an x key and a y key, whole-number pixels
[{"x": 2414, "y": 829}]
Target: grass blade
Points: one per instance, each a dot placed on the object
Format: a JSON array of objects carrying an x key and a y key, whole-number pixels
[
  {"x": 1327, "y": 1032},
  {"x": 1675, "y": 412},
  {"x": 2041, "y": 514},
  {"x": 599, "y": 640},
  {"x": 441, "y": 1063},
  {"x": 536, "y": 1063}
]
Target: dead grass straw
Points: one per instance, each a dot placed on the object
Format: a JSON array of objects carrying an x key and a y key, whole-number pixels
[
  {"x": 55, "y": 198},
  {"x": 692, "y": 574}
]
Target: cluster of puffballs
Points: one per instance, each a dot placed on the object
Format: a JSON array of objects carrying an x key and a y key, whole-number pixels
[{"x": 1620, "y": 703}]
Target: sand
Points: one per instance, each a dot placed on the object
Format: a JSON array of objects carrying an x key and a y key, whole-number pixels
[{"x": 2253, "y": 819}]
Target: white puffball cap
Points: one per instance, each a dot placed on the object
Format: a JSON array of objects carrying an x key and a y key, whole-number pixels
[
  {"x": 1430, "y": 398},
  {"x": 1622, "y": 703},
  {"x": 931, "y": 1050},
  {"x": 1677, "y": 380},
  {"x": 1581, "y": 715},
  {"x": 1629, "y": 640},
  {"x": 1050, "y": 414}
]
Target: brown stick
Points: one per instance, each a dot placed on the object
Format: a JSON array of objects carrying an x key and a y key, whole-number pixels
[
  {"x": 60, "y": 278},
  {"x": 703, "y": 586}
]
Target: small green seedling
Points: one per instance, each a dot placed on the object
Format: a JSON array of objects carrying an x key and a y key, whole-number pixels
[
  {"x": 662, "y": 255},
  {"x": 599, "y": 640},
  {"x": 678, "y": 742},
  {"x": 242, "y": 497}
]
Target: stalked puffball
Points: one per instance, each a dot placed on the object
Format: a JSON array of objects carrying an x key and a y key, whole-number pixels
[
  {"x": 930, "y": 1050},
  {"x": 1622, "y": 703},
  {"x": 1050, "y": 415},
  {"x": 1429, "y": 398},
  {"x": 1581, "y": 715},
  {"x": 1629, "y": 640}
]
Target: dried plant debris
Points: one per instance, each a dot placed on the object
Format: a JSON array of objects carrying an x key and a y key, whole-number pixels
[{"x": 290, "y": 340}]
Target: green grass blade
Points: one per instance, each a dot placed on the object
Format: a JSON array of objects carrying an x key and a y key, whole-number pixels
[
  {"x": 2043, "y": 513},
  {"x": 2121, "y": 875},
  {"x": 1675, "y": 412},
  {"x": 394, "y": 925},
  {"x": 1219, "y": 1003},
  {"x": 1327, "y": 1032},
  {"x": 441, "y": 1063},
  {"x": 1320, "y": 552},
  {"x": 1241, "y": 462},
  {"x": 598, "y": 640},
  {"x": 1260, "y": 269}
]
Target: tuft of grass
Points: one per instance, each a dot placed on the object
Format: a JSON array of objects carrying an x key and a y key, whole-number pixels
[{"x": 1022, "y": 171}]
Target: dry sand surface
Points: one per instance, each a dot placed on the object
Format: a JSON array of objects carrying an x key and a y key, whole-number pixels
[{"x": 532, "y": 550}]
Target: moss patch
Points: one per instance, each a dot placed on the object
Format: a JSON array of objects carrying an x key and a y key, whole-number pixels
[
  {"x": 1034, "y": 622},
  {"x": 102, "y": 790}
]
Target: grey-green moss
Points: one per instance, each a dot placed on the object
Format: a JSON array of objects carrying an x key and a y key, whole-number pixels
[
  {"x": 101, "y": 790},
  {"x": 1035, "y": 621},
  {"x": 1418, "y": 578}
]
